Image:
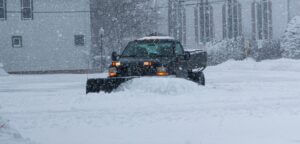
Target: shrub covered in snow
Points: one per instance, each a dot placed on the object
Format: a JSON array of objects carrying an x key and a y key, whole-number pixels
[
  {"x": 291, "y": 39},
  {"x": 266, "y": 49},
  {"x": 224, "y": 50}
]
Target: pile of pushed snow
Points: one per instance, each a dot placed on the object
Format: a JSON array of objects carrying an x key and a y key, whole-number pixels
[
  {"x": 10, "y": 136},
  {"x": 2, "y": 72},
  {"x": 160, "y": 85},
  {"x": 267, "y": 65}
]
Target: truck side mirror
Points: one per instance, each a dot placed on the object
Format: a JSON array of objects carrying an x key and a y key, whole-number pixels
[
  {"x": 114, "y": 56},
  {"x": 187, "y": 55}
]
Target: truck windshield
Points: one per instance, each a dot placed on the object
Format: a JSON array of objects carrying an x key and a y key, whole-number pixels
[{"x": 149, "y": 49}]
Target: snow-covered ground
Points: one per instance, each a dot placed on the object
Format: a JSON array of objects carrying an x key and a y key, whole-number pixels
[
  {"x": 8, "y": 135},
  {"x": 2, "y": 72},
  {"x": 243, "y": 103}
]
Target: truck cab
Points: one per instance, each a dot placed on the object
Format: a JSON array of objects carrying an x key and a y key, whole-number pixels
[
  {"x": 159, "y": 56},
  {"x": 156, "y": 56}
]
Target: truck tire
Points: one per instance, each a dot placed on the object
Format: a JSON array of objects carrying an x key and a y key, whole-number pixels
[
  {"x": 201, "y": 79},
  {"x": 197, "y": 77}
]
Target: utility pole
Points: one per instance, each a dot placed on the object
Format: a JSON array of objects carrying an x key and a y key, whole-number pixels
[
  {"x": 101, "y": 33},
  {"x": 156, "y": 14},
  {"x": 288, "y": 11}
]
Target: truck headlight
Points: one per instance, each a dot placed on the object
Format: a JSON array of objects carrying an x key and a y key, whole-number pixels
[
  {"x": 161, "y": 71},
  {"x": 112, "y": 72},
  {"x": 148, "y": 63},
  {"x": 116, "y": 63}
]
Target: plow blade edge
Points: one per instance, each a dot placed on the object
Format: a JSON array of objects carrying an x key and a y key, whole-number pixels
[{"x": 104, "y": 84}]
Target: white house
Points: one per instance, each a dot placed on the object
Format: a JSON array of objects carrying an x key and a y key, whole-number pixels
[
  {"x": 279, "y": 17},
  {"x": 44, "y": 35}
]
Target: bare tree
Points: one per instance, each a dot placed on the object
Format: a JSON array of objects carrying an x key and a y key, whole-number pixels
[
  {"x": 177, "y": 20},
  {"x": 121, "y": 21}
]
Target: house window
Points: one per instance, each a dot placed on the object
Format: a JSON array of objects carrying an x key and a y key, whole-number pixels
[
  {"x": 27, "y": 9},
  {"x": 2, "y": 9},
  {"x": 17, "y": 41},
  {"x": 79, "y": 40}
]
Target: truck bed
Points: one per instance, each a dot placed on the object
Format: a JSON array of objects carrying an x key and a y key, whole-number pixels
[{"x": 198, "y": 60}]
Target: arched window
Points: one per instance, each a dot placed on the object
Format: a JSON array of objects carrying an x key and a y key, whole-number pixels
[
  {"x": 177, "y": 20},
  {"x": 2, "y": 9},
  {"x": 204, "y": 22},
  {"x": 27, "y": 9},
  {"x": 262, "y": 21},
  {"x": 232, "y": 19}
]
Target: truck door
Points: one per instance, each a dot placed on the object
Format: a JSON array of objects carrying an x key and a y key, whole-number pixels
[{"x": 181, "y": 66}]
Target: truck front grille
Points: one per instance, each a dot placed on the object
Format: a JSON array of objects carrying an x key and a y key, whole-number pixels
[{"x": 138, "y": 70}]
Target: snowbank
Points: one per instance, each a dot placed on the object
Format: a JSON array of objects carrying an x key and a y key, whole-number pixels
[
  {"x": 2, "y": 72},
  {"x": 162, "y": 86},
  {"x": 267, "y": 65},
  {"x": 176, "y": 86},
  {"x": 171, "y": 86},
  {"x": 10, "y": 136}
]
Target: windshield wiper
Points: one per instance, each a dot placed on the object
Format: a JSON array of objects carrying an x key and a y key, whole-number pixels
[
  {"x": 157, "y": 55},
  {"x": 128, "y": 55}
]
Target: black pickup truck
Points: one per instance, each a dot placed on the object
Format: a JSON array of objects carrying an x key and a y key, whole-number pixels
[{"x": 151, "y": 56}]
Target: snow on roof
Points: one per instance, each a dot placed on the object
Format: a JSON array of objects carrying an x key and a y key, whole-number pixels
[{"x": 157, "y": 38}]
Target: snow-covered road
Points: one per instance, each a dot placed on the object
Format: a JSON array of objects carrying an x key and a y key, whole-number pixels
[{"x": 243, "y": 102}]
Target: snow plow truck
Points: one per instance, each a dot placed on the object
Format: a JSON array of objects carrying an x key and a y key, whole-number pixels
[{"x": 152, "y": 56}]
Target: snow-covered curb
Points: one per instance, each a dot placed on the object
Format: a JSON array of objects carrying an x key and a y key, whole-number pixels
[
  {"x": 2, "y": 71},
  {"x": 9, "y": 135}
]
